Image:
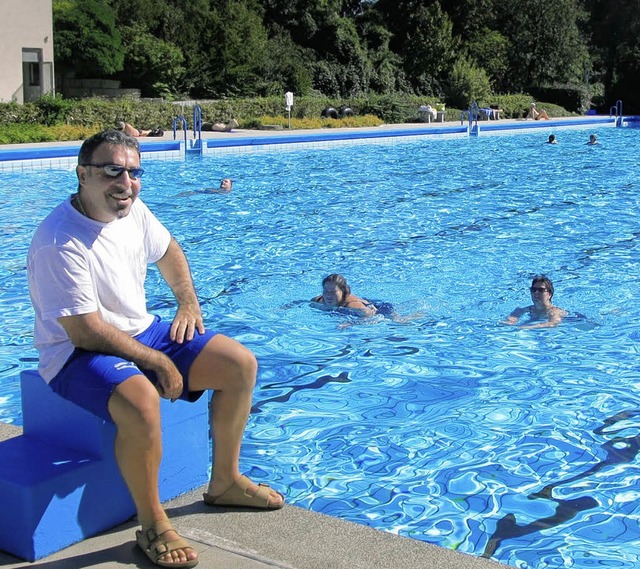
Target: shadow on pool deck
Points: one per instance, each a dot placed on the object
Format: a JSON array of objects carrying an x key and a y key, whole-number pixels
[{"x": 291, "y": 538}]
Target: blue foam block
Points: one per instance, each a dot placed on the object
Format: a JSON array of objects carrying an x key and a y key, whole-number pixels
[
  {"x": 59, "y": 481},
  {"x": 53, "y": 496}
]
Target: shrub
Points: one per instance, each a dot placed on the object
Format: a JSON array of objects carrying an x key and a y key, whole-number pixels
[
  {"x": 308, "y": 123},
  {"x": 17, "y": 133},
  {"x": 467, "y": 83}
]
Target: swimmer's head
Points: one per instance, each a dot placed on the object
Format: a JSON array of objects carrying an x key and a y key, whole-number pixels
[
  {"x": 592, "y": 138},
  {"x": 542, "y": 281},
  {"x": 335, "y": 290},
  {"x": 226, "y": 184},
  {"x": 552, "y": 139}
]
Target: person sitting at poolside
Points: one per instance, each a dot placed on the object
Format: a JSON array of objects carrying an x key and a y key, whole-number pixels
[
  {"x": 552, "y": 139},
  {"x": 592, "y": 140},
  {"x": 336, "y": 293},
  {"x": 220, "y": 126},
  {"x": 541, "y": 310},
  {"x": 132, "y": 131},
  {"x": 535, "y": 114}
]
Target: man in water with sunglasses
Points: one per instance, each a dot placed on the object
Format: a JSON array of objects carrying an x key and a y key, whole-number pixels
[
  {"x": 100, "y": 348},
  {"x": 542, "y": 314}
]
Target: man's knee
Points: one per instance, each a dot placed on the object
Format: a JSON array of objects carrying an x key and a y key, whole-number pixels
[
  {"x": 135, "y": 403},
  {"x": 222, "y": 364}
]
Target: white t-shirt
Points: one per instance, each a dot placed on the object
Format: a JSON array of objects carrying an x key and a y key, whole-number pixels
[{"x": 77, "y": 265}]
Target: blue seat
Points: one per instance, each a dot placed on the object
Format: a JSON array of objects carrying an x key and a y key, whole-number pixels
[{"x": 59, "y": 481}]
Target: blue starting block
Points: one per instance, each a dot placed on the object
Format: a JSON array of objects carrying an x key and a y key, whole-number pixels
[{"x": 59, "y": 481}]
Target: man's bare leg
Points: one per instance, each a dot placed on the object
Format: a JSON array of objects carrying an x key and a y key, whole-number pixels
[
  {"x": 230, "y": 369},
  {"x": 135, "y": 409}
]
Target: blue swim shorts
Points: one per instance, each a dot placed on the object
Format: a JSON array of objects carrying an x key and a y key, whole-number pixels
[{"x": 89, "y": 378}]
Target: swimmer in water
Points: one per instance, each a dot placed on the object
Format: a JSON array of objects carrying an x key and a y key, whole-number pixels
[
  {"x": 546, "y": 314},
  {"x": 336, "y": 293}
]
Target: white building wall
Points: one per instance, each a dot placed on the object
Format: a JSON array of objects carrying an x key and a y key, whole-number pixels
[{"x": 25, "y": 24}]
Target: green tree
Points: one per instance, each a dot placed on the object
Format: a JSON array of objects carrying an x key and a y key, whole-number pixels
[
  {"x": 423, "y": 38},
  {"x": 548, "y": 43},
  {"x": 288, "y": 67},
  {"x": 386, "y": 75},
  {"x": 151, "y": 64},
  {"x": 340, "y": 64},
  {"x": 87, "y": 40},
  {"x": 615, "y": 28},
  {"x": 466, "y": 83},
  {"x": 491, "y": 50}
]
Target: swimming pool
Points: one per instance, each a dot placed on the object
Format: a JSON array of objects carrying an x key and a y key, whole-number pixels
[{"x": 451, "y": 428}]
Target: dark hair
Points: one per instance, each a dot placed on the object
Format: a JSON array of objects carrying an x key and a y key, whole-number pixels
[
  {"x": 111, "y": 136},
  {"x": 545, "y": 281},
  {"x": 341, "y": 283}
]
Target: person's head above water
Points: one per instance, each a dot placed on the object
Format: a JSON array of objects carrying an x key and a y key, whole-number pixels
[
  {"x": 552, "y": 139},
  {"x": 335, "y": 290},
  {"x": 541, "y": 285},
  {"x": 226, "y": 184}
]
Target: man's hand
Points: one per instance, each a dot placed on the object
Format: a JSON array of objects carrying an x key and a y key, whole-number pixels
[
  {"x": 187, "y": 320},
  {"x": 170, "y": 382}
]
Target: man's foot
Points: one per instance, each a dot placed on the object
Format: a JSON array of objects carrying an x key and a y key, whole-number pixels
[
  {"x": 164, "y": 547},
  {"x": 246, "y": 494}
]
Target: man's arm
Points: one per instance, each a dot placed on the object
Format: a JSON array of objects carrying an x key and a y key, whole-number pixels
[
  {"x": 514, "y": 316},
  {"x": 175, "y": 270},
  {"x": 90, "y": 332}
]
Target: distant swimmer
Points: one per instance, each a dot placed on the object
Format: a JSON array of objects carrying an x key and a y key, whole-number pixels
[
  {"x": 226, "y": 185},
  {"x": 593, "y": 139},
  {"x": 542, "y": 314},
  {"x": 552, "y": 139}
]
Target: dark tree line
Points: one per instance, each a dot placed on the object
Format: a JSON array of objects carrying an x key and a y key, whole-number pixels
[{"x": 457, "y": 50}]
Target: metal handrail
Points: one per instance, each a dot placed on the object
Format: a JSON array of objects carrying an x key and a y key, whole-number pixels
[
  {"x": 197, "y": 122},
  {"x": 180, "y": 119},
  {"x": 616, "y": 111}
]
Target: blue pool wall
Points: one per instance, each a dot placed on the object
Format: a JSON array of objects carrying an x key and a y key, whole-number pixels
[{"x": 64, "y": 155}]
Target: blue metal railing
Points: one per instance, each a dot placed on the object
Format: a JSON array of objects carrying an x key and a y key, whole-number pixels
[
  {"x": 182, "y": 121},
  {"x": 616, "y": 111},
  {"x": 197, "y": 122}
]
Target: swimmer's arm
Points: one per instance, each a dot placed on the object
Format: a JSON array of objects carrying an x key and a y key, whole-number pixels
[
  {"x": 363, "y": 308},
  {"x": 91, "y": 333},
  {"x": 175, "y": 270},
  {"x": 515, "y": 316}
]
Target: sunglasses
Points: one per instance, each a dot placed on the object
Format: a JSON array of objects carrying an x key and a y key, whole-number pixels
[
  {"x": 538, "y": 289},
  {"x": 113, "y": 170}
]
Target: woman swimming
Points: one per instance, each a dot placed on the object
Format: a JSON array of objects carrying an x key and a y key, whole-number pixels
[
  {"x": 541, "y": 310},
  {"x": 336, "y": 293}
]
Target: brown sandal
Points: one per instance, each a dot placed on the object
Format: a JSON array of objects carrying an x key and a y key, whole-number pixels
[
  {"x": 238, "y": 496},
  {"x": 155, "y": 546}
]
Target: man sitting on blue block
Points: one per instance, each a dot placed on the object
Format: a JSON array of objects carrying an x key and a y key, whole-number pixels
[{"x": 101, "y": 349}]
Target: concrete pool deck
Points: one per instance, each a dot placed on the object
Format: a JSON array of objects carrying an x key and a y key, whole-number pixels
[
  {"x": 291, "y": 538},
  {"x": 20, "y": 157}
]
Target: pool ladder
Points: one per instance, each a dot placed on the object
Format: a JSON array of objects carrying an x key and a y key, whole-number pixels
[
  {"x": 616, "y": 111},
  {"x": 195, "y": 146},
  {"x": 472, "y": 116}
]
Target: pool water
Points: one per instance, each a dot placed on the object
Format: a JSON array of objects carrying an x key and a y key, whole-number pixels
[{"x": 449, "y": 428}]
